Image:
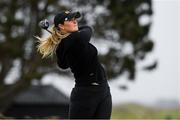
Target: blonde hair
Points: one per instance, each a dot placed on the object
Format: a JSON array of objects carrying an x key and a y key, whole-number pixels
[{"x": 47, "y": 46}]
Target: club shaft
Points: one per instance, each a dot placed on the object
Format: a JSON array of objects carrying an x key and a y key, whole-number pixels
[{"x": 48, "y": 31}]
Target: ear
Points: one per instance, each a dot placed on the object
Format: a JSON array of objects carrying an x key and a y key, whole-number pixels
[{"x": 61, "y": 26}]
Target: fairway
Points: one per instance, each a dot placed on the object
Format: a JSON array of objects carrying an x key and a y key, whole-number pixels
[{"x": 135, "y": 111}]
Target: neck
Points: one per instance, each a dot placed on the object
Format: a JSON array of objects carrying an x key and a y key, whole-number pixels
[{"x": 63, "y": 32}]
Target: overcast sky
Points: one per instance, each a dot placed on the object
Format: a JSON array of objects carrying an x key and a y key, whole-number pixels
[{"x": 163, "y": 83}]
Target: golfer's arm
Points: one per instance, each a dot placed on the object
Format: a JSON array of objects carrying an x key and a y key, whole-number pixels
[{"x": 85, "y": 33}]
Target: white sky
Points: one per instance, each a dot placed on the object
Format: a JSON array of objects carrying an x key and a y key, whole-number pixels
[{"x": 163, "y": 83}]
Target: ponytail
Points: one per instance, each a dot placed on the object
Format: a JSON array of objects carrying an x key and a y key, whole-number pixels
[{"x": 47, "y": 46}]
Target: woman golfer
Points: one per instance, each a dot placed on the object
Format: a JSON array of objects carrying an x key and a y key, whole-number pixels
[{"x": 90, "y": 97}]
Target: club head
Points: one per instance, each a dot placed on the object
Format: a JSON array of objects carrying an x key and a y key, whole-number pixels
[{"x": 44, "y": 24}]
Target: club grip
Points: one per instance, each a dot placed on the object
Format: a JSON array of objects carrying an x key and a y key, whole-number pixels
[{"x": 44, "y": 24}]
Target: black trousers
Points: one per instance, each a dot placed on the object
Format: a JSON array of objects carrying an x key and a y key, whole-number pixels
[{"x": 90, "y": 102}]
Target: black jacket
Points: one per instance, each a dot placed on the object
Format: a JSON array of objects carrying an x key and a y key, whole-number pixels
[{"x": 76, "y": 52}]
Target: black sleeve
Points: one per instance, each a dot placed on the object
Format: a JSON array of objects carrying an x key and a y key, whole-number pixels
[
  {"x": 61, "y": 57},
  {"x": 62, "y": 65},
  {"x": 84, "y": 34}
]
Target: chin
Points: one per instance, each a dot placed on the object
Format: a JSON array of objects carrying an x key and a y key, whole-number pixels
[{"x": 75, "y": 29}]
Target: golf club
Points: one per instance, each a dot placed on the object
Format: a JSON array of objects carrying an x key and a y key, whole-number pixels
[{"x": 44, "y": 24}]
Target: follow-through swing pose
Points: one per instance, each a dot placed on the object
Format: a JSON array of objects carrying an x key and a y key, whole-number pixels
[{"x": 90, "y": 97}]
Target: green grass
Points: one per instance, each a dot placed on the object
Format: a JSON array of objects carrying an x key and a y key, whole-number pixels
[{"x": 134, "y": 111}]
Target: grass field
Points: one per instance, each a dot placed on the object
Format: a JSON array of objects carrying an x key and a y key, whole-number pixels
[{"x": 134, "y": 111}]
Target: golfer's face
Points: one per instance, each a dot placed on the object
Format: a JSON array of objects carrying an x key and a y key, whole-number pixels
[{"x": 71, "y": 25}]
